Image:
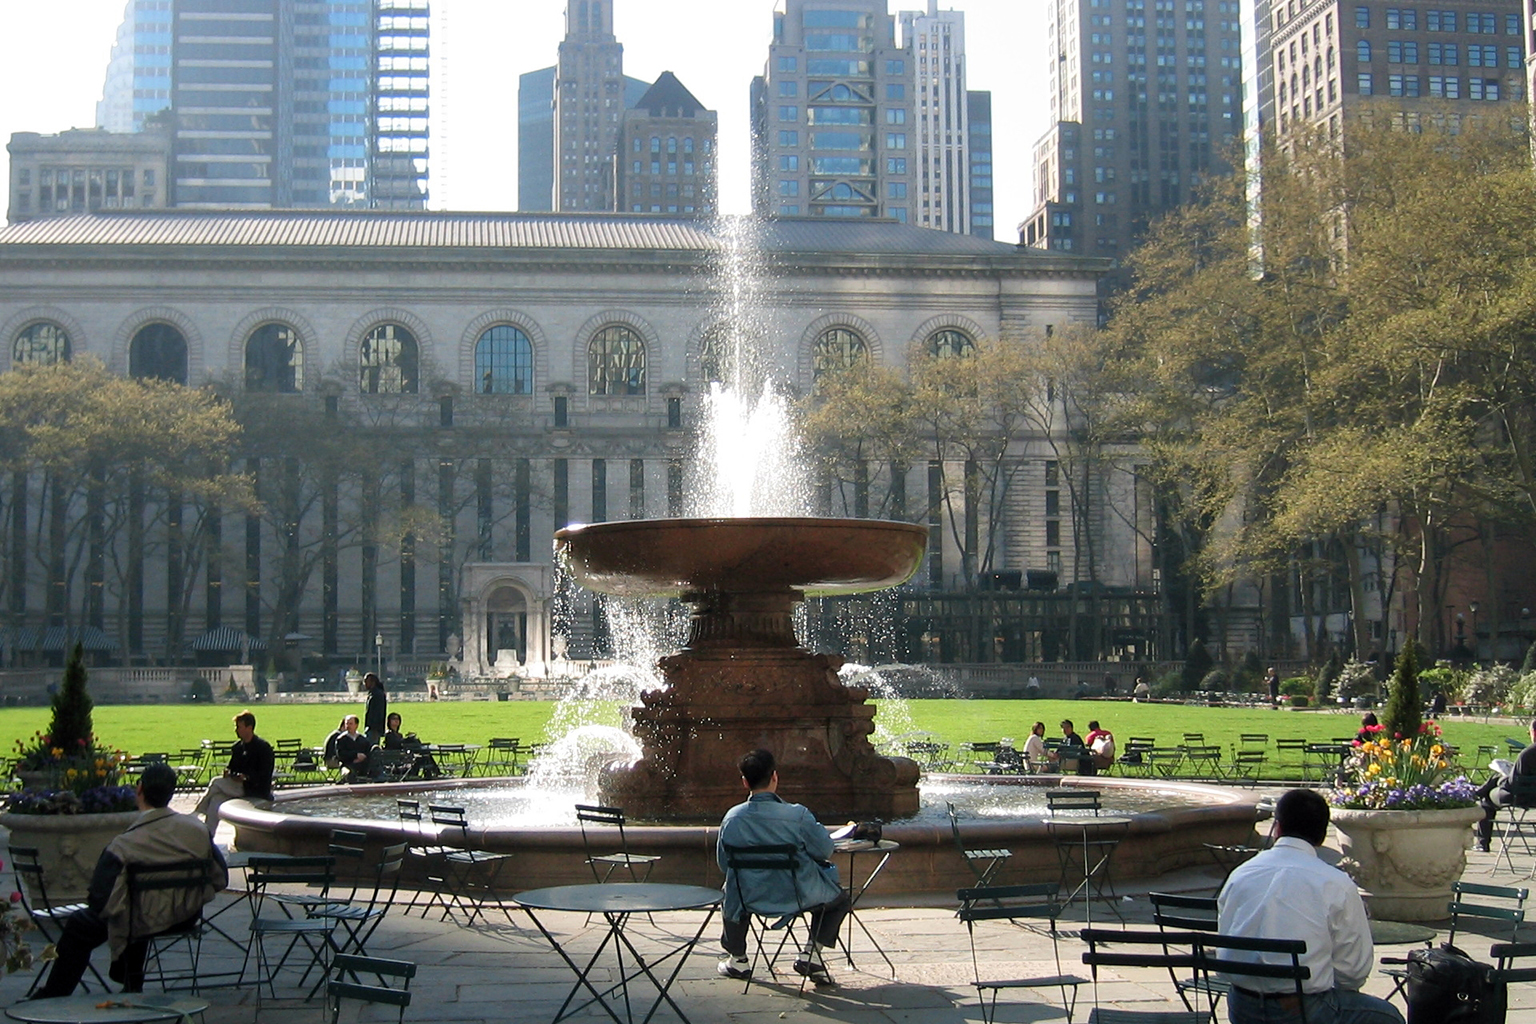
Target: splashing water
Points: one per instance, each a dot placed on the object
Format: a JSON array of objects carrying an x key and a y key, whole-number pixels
[{"x": 751, "y": 461}]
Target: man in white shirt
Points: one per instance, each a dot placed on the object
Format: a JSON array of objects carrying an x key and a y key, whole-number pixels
[{"x": 1286, "y": 892}]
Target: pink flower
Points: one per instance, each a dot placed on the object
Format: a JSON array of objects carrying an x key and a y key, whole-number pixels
[{"x": 15, "y": 897}]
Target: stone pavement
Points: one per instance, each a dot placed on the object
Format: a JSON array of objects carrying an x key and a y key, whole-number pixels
[{"x": 505, "y": 972}]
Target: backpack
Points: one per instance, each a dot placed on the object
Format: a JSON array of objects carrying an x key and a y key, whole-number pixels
[{"x": 1445, "y": 986}]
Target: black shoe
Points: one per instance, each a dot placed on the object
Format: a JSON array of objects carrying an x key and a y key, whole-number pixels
[{"x": 817, "y": 972}]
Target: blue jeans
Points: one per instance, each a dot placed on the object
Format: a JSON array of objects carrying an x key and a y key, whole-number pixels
[{"x": 1337, "y": 1006}]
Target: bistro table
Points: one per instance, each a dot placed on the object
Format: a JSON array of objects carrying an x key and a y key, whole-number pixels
[
  {"x": 456, "y": 759},
  {"x": 1101, "y": 832},
  {"x": 882, "y": 850},
  {"x": 123, "y": 1008},
  {"x": 616, "y": 901}
]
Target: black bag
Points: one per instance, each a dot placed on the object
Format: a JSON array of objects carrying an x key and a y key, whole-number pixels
[{"x": 1445, "y": 986}]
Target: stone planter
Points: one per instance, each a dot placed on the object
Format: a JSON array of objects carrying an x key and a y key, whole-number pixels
[
  {"x": 1406, "y": 860},
  {"x": 67, "y": 846}
]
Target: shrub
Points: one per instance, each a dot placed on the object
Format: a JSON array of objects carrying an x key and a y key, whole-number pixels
[
  {"x": 1249, "y": 673},
  {"x": 1522, "y": 694},
  {"x": 1299, "y": 700},
  {"x": 200, "y": 692},
  {"x": 1490, "y": 685},
  {"x": 1355, "y": 679},
  {"x": 1216, "y": 680},
  {"x": 1196, "y": 664},
  {"x": 1404, "y": 712},
  {"x": 1529, "y": 664},
  {"x": 1327, "y": 675},
  {"x": 1297, "y": 686},
  {"x": 1170, "y": 684},
  {"x": 71, "y": 727}
]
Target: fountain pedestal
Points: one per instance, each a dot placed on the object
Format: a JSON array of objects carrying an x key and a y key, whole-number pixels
[{"x": 743, "y": 681}]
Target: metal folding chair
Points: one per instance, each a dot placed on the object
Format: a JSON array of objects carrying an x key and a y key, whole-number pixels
[
  {"x": 471, "y": 873},
  {"x": 35, "y": 904},
  {"x": 1015, "y": 904},
  {"x": 347, "y": 966},
  {"x": 597, "y": 821},
  {"x": 501, "y": 756},
  {"x": 1104, "y": 950},
  {"x": 185, "y": 882},
  {"x": 1172, "y": 912},
  {"x": 359, "y": 918},
  {"x": 1520, "y": 823},
  {"x": 770, "y": 858},
  {"x": 1510, "y": 911},
  {"x": 984, "y": 863},
  {"x": 313, "y": 933}
]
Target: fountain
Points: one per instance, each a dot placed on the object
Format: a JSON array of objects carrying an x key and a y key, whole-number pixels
[
  {"x": 743, "y": 681},
  {"x": 748, "y": 555}
]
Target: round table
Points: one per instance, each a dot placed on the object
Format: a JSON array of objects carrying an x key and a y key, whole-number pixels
[
  {"x": 616, "y": 901},
  {"x": 124, "y": 1008},
  {"x": 1101, "y": 831},
  {"x": 1400, "y": 933},
  {"x": 853, "y": 849}
]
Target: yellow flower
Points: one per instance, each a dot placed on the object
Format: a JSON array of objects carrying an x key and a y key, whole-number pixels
[
  {"x": 1437, "y": 750},
  {"x": 1374, "y": 769}
]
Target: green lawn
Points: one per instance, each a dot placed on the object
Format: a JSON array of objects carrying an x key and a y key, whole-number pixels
[{"x": 138, "y": 728}]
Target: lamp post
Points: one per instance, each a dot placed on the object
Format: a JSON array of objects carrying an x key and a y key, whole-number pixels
[
  {"x": 1450, "y": 612},
  {"x": 1472, "y": 607},
  {"x": 378, "y": 654}
]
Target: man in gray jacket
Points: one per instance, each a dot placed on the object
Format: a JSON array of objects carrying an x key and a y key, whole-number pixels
[{"x": 764, "y": 820}]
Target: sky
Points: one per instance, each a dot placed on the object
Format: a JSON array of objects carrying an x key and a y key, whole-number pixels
[{"x": 54, "y": 68}]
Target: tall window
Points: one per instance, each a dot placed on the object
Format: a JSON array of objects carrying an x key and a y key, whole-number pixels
[
  {"x": 387, "y": 361},
  {"x": 274, "y": 360},
  {"x": 44, "y": 343},
  {"x": 504, "y": 362},
  {"x": 837, "y": 349},
  {"x": 951, "y": 343},
  {"x": 616, "y": 362},
  {"x": 158, "y": 352}
]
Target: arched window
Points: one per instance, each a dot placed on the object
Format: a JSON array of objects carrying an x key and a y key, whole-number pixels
[
  {"x": 386, "y": 361},
  {"x": 1363, "y": 51},
  {"x": 274, "y": 360},
  {"x": 616, "y": 362},
  {"x": 837, "y": 349},
  {"x": 714, "y": 355},
  {"x": 43, "y": 343},
  {"x": 950, "y": 343},
  {"x": 158, "y": 352},
  {"x": 504, "y": 362}
]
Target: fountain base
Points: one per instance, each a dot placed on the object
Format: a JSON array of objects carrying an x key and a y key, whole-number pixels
[{"x": 722, "y": 703}]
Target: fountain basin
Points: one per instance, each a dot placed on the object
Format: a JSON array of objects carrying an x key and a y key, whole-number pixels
[
  {"x": 674, "y": 557},
  {"x": 1157, "y": 841}
]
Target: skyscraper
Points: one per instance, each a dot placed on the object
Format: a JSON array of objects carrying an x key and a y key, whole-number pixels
[
  {"x": 666, "y": 152},
  {"x": 589, "y": 105},
  {"x": 536, "y": 135},
  {"x": 279, "y": 102},
  {"x": 941, "y": 179},
  {"x": 979, "y": 103},
  {"x": 1139, "y": 117},
  {"x": 832, "y": 129},
  {"x": 1330, "y": 59}
]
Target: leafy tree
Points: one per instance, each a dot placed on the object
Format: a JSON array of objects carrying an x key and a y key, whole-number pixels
[
  {"x": 1404, "y": 713},
  {"x": 1197, "y": 665}
]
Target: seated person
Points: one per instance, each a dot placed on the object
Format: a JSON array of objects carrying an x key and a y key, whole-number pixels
[
  {"x": 1102, "y": 743},
  {"x": 158, "y": 836},
  {"x": 1035, "y": 756},
  {"x": 354, "y": 750},
  {"x": 331, "y": 761},
  {"x": 1142, "y": 690},
  {"x": 422, "y": 764},
  {"x": 764, "y": 819},
  {"x": 1498, "y": 791},
  {"x": 1071, "y": 741},
  {"x": 248, "y": 775}
]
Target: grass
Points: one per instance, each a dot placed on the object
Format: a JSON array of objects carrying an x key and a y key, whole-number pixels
[{"x": 140, "y": 728}]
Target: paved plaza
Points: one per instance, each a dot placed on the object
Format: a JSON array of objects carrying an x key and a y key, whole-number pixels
[{"x": 501, "y": 971}]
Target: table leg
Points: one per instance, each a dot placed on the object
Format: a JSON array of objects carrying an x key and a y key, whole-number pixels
[{"x": 581, "y": 973}]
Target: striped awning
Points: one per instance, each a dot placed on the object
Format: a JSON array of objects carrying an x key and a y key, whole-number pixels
[{"x": 228, "y": 638}]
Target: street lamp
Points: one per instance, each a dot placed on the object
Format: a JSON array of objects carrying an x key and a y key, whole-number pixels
[{"x": 378, "y": 653}]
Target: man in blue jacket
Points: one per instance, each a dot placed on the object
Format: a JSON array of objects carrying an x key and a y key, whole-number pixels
[{"x": 764, "y": 819}]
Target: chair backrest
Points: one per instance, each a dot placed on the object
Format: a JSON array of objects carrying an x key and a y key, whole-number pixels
[
  {"x": 1184, "y": 913},
  {"x": 408, "y": 811},
  {"x": 601, "y": 818},
  {"x": 1058, "y": 800},
  {"x": 447, "y": 817},
  {"x": 289, "y": 744},
  {"x": 1194, "y": 739},
  {"x": 1009, "y": 903},
  {"x": 1512, "y": 912},
  {"x": 315, "y": 871},
  {"x": 1115, "y": 948},
  {"x": 1506, "y": 953},
  {"x": 1522, "y": 791},
  {"x": 347, "y": 965},
  {"x": 187, "y": 881},
  {"x": 29, "y": 872},
  {"x": 1210, "y": 950},
  {"x": 1254, "y": 739},
  {"x": 767, "y": 857},
  {"x": 1295, "y": 746},
  {"x": 1140, "y": 743}
]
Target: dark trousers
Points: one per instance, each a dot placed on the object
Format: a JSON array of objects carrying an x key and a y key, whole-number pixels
[
  {"x": 1494, "y": 795},
  {"x": 84, "y": 930},
  {"x": 826, "y": 923}
]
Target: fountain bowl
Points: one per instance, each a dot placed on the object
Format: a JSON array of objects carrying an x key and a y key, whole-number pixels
[{"x": 673, "y": 557}]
